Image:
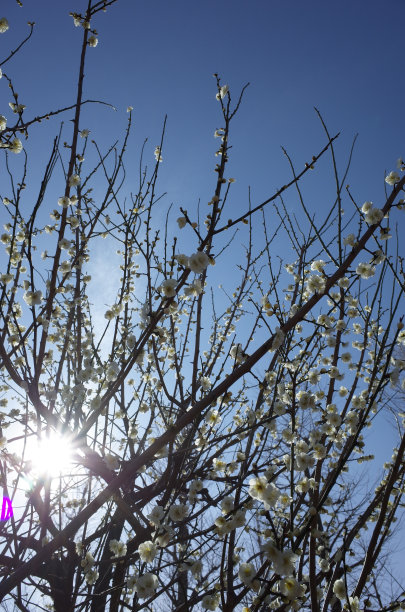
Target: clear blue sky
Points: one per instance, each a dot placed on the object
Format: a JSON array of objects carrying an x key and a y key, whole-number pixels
[{"x": 343, "y": 57}]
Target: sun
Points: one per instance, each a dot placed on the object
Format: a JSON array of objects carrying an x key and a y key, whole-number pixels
[{"x": 51, "y": 456}]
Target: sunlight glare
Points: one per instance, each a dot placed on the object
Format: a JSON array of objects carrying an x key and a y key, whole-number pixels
[{"x": 52, "y": 455}]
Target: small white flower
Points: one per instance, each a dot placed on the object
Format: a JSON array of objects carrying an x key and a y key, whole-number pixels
[
  {"x": 156, "y": 515},
  {"x": 246, "y": 573},
  {"x": 32, "y": 298},
  {"x": 168, "y": 287},
  {"x": 74, "y": 180},
  {"x": 118, "y": 548},
  {"x": 318, "y": 265},
  {"x": 222, "y": 92},
  {"x": 374, "y": 215},
  {"x": 15, "y": 146},
  {"x": 392, "y": 178},
  {"x": 198, "y": 262},
  {"x": 92, "y": 41},
  {"x": 111, "y": 462},
  {"x": 84, "y": 133},
  {"x": 64, "y": 201},
  {"x": 146, "y": 585},
  {"x": 210, "y": 602},
  {"x": 91, "y": 576},
  {"x": 278, "y": 340},
  {"x": 158, "y": 155},
  {"x": 178, "y": 512},
  {"x": 366, "y": 207},
  {"x": 3, "y": 123},
  {"x": 3, "y": 25},
  {"x": 147, "y": 551},
  {"x": 129, "y": 109},
  {"x": 339, "y": 589}
]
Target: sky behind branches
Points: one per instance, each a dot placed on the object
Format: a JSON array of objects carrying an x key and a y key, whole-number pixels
[{"x": 345, "y": 58}]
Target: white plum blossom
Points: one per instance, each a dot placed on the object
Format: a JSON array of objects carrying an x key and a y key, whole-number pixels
[
  {"x": 3, "y": 123},
  {"x": 392, "y": 178},
  {"x": 194, "y": 289},
  {"x": 222, "y": 92},
  {"x": 111, "y": 462},
  {"x": 3, "y": 25},
  {"x": 237, "y": 353},
  {"x": 146, "y": 585},
  {"x": 291, "y": 588},
  {"x": 74, "y": 180},
  {"x": 15, "y": 146},
  {"x": 32, "y": 298},
  {"x": 198, "y": 262},
  {"x": 210, "y": 602},
  {"x": 158, "y": 155},
  {"x": 350, "y": 240},
  {"x": 91, "y": 576},
  {"x": 64, "y": 201},
  {"x": 178, "y": 512},
  {"x": 315, "y": 284},
  {"x": 278, "y": 340},
  {"x": 374, "y": 216},
  {"x": 118, "y": 548},
  {"x": 112, "y": 371},
  {"x": 147, "y": 551},
  {"x": 92, "y": 41},
  {"x": 246, "y": 573},
  {"x": 168, "y": 287},
  {"x": 365, "y": 270},
  {"x": 156, "y": 515},
  {"x": 339, "y": 589},
  {"x": 318, "y": 265}
]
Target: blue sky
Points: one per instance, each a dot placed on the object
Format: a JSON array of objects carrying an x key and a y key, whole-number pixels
[{"x": 344, "y": 58}]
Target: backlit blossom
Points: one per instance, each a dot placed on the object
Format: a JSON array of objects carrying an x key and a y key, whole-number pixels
[
  {"x": 156, "y": 515},
  {"x": 158, "y": 155},
  {"x": 111, "y": 462},
  {"x": 147, "y": 551},
  {"x": 222, "y": 92},
  {"x": 246, "y": 573},
  {"x": 15, "y": 146},
  {"x": 373, "y": 216},
  {"x": 365, "y": 270},
  {"x": 178, "y": 512},
  {"x": 32, "y": 298},
  {"x": 146, "y": 585},
  {"x": 210, "y": 602},
  {"x": 118, "y": 548},
  {"x": 168, "y": 287},
  {"x": 392, "y": 178},
  {"x": 64, "y": 201},
  {"x": 339, "y": 589},
  {"x": 92, "y": 41},
  {"x": 198, "y": 262},
  {"x": 74, "y": 180},
  {"x": 3, "y": 123},
  {"x": 3, "y": 25},
  {"x": 315, "y": 284}
]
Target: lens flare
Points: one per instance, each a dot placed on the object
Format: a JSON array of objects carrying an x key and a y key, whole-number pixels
[{"x": 52, "y": 455}]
